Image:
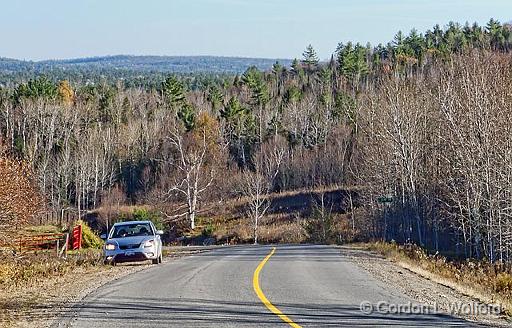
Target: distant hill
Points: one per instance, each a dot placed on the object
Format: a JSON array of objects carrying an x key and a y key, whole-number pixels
[{"x": 160, "y": 64}]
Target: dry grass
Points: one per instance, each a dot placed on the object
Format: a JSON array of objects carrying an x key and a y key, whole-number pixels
[
  {"x": 24, "y": 279},
  {"x": 37, "y": 288},
  {"x": 273, "y": 229},
  {"x": 39, "y": 230},
  {"x": 30, "y": 268},
  {"x": 289, "y": 228},
  {"x": 45, "y": 290},
  {"x": 489, "y": 283}
]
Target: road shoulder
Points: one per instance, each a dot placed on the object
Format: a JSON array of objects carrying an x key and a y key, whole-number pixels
[
  {"x": 45, "y": 302},
  {"x": 419, "y": 288}
]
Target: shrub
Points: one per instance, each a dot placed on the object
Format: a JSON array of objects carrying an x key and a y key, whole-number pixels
[
  {"x": 89, "y": 238},
  {"x": 320, "y": 227},
  {"x": 208, "y": 230},
  {"x": 142, "y": 214},
  {"x": 504, "y": 283}
]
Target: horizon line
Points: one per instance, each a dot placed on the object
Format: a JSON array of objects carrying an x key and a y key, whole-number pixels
[{"x": 140, "y": 55}]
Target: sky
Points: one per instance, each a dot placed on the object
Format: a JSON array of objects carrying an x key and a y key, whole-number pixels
[{"x": 57, "y": 29}]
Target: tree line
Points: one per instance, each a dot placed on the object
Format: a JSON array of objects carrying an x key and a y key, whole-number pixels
[{"x": 420, "y": 125}]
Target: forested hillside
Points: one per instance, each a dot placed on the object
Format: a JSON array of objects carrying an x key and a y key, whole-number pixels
[
  {"x": 147, "y": 71},
  {"x": 421, "y": 126}
]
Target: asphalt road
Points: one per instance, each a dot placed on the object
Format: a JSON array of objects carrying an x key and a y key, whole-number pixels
[{"x": 313, "y": 286}]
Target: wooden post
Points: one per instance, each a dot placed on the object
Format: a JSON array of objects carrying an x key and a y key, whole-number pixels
[
  {"x": 67, "y": 245},
  {"x": 64, "y": 249}
]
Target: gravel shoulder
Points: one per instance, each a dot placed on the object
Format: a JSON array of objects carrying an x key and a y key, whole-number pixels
[
  {"x": 423, "y": 287},
  {"x": 38, "y": 304}
]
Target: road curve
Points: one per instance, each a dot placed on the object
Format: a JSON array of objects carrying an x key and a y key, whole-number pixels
[{"x": 314, "y": 286}]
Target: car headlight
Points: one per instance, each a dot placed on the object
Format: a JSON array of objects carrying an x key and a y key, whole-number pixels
[
  {"x": 110, "y": 247},
  {"x": 149, "y": 243}
]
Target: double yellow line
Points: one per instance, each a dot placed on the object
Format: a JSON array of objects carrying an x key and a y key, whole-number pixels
[{"x": 263, "y": 298}]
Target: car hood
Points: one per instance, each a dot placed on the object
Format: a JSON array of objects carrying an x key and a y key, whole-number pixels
[{"x": 136, "y": 240}]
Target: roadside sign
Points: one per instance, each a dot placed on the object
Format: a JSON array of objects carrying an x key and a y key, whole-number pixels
[{"x": 385, "y": 199}]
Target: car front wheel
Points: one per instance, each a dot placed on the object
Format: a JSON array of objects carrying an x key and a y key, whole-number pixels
[
  {"x": 156, "y": 261},
  {"x": 109, "y": 262}
]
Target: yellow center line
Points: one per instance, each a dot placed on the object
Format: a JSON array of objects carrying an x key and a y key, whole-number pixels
[{"x": 263, "y": 298}]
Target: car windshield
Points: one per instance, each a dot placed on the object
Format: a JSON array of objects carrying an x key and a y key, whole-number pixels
[{"x": 131, "y": 230}]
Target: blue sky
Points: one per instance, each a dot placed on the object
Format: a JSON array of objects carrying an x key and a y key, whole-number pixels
[{"x": 44, "y": 29}]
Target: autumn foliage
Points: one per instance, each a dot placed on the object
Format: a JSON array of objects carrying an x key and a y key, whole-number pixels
[
  {"x": 20, "y": 200},
  {"x": 66, "y": 93}
]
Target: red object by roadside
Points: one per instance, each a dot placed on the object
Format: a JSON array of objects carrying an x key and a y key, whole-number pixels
[{"x": 77, "y": 237}]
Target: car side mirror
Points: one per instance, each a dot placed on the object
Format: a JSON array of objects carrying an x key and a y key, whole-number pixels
[
  {"x": 103, "y": 236},
  {"x": 159, "y": 232}
]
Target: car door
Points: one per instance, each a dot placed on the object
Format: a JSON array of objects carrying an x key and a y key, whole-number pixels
[{"x": 157, "y": 239}]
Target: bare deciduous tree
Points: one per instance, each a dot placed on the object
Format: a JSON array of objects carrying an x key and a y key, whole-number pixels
[
  {"x": 257, "y": 185},
  {"x": 194, "y": 163}
]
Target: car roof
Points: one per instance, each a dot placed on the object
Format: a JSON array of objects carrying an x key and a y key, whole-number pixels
[{"x": 131, "y": 222}]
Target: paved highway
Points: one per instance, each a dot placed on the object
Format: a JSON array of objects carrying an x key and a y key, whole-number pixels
[{"x": 249, "y": 286}]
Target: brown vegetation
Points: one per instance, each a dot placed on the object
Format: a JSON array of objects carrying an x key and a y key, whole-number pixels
[
  {"x": 490, "y": 283},
  {"x": 19, "y": 199}
]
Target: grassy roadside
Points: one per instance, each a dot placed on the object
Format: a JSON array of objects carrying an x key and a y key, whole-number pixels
[
  {"x": 33, "y": 267},
  {"x": 489, "y": 283},
  {"x": 30, "y": 283},
  {"x": 38, "y": 287}
]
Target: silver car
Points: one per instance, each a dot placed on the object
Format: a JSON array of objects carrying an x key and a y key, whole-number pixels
[{"x": 133, "y": 241}]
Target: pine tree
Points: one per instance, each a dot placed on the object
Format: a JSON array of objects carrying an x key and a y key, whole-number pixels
[
  {"x": 173, "y": 92},
  {"x": 40, "y": 88},
  {"x": 496, "y": 35},
  {"x": 254, "y": 79},
  {"x": 232, "y": 110},
  {"x": 187, "y": 115},
  {"x": 309, "y": 57},
  {"x": 215, "y": 97}
]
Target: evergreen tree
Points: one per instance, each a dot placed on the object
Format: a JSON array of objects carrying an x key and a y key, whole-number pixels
[
  {"x": 352, "y": 61},
  {"x": 415, "y": 45},
  {"x": 106, "y": 104},
  {"x": 173, "y": 92},
  {"x": 39, "y": 88},
  {"x": 254, "y": 79},
  {"x": 278, "y": 71},
  {"x": 232, "y": 110},
  {"x": 215, "y": 97},
  {"x": 187, "y": 115},
  {"x": 496, "y": 34},
  {"x": 309, "y": 57}
]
